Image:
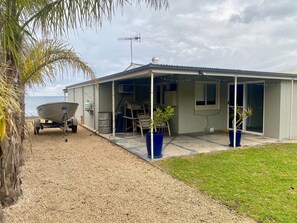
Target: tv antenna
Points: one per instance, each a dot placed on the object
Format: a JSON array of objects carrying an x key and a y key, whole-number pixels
[{"x": 131, "y": 39}]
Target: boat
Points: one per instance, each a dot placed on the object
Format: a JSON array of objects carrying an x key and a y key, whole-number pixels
[
  {"x": 56, "y": 115},
  {"x": 57, "y": 111}
]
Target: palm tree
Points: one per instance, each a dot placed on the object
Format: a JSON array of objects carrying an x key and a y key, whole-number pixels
[
  {"x": 8, "y": 103},
  {"x": 44, "y": 61},
  {"x": 19, "y": 22},
  {"x": 9, "y": 138}
]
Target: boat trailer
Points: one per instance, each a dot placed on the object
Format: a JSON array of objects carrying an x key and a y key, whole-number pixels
[{"x": 65, "y": 124}]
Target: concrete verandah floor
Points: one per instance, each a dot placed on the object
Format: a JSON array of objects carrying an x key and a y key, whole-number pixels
[{"x": 186, "y": 144}]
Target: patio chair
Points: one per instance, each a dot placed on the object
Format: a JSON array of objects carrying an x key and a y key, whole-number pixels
[
  {"x": 143, "y": 122},
  {"x": 165, "y": 125},
  {"x": 131, "y": 112}
]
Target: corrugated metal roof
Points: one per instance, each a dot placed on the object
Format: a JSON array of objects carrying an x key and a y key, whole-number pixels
[{"x": 159, "y": 68}]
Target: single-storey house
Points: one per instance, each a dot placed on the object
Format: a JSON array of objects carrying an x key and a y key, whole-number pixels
[{"x": 204, "y": 99}]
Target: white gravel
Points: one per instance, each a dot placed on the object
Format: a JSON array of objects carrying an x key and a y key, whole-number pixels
[{"x": 88, "y": 179}]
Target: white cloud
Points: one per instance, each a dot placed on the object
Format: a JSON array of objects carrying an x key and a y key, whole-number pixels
[
  {"x": 49, "y": 90},
  {"x": 254, "y": 35}
]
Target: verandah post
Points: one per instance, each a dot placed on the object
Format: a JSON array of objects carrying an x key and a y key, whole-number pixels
[
  {"x": 113, "y": 110},
  {"x": 235, "y": 111},
  {"x": 152, "y": 114}
]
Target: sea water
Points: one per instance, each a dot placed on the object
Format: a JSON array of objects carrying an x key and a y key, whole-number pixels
[{"x": 32, "y": 102}]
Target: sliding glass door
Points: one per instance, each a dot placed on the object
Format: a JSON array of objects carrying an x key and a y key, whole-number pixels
[
  {"x": 249, "y": 95},
  {"x": 255, "y": 100}
]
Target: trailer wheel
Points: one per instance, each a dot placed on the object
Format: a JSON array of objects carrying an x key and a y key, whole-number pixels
[
  {"x": 74, "y": 125},
  {"x": 74, "y": 128},
  {"x": 36, "y": 131},
  {"x": 37, "y": 126}
]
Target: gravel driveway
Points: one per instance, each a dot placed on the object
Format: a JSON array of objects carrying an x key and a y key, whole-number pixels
[{"x": 88, "y": 179}]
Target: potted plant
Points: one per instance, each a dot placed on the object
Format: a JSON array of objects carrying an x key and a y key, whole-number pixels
[
  {"x": 242, "y": 114},
  {"x": 161, "y": 117}
]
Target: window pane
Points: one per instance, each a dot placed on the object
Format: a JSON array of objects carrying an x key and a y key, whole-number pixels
[
  {"x": 207, "y": 95},
  {"x": 239, "y": 95},
  {"x": 163, "y": 94},
  {"x": 158, "y": 95},
  {"x": 211, "y": 94},
  {"x": 255, "y": 100},
  {"x": 200, "y": 94},
  {"x": 142, "y": 93}
]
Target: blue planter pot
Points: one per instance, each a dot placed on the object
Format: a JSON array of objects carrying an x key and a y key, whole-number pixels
[
  {"x": 238, "y": 138},
  {"x": 158, "y": 144}
]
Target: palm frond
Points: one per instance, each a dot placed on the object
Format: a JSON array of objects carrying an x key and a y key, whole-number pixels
[
  {"x": 60, "y": 16},
  {"x": 48, "y": 59},
  {"x": 12, "y": 33}
]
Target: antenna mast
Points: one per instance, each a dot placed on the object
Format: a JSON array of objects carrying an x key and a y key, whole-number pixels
[{"x": 136, "y": 38}]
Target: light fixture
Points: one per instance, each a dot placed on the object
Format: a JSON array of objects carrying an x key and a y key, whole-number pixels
[
  {"x": 201, "y": 73},
  {"x": 89, "y": 107}
]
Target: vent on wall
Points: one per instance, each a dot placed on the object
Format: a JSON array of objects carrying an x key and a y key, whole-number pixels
[{"x": 126, "y": 88}]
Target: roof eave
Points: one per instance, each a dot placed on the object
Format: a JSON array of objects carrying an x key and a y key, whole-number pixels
[{"x": 185, "y": 70}]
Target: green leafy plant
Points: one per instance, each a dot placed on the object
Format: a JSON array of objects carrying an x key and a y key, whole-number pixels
[
  {"x": 161, "y": 116},
  {"x": 242, "y": 114}
]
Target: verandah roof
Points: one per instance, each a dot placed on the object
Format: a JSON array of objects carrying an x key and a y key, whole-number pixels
[{"x": 161, "y": 69}]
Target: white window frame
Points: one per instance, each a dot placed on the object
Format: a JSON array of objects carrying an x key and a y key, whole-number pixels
[{"x": 208, "y": 107}]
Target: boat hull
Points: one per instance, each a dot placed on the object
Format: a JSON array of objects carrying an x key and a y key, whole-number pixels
[{"x": 56, "y": 110}]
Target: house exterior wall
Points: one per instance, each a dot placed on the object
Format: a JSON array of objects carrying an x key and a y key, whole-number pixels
[
  {"x": 96, "y": 105},
  {"x": 105, "y": 97},
  {"x": 70, "y": 97},
  {"x": 173, "y": 122},
  {"x": 285, "y": 110},
  {"x": 89, "y": 94},
  {"x": 190, "y": 120},
  {"x": 272, "y": 103},
  {"x": 101, "y": 98},
  {"x": 294, "y": 135},
  {"x": 285, "y": 107},
  {"x": 75, "y": 95},
  {"x": 79, "y": 99}
]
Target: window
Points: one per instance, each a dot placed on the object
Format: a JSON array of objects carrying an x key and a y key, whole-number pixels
[
  {"x": 160, "y": 93},
  {"x": 142, "y": 93},
  {"x": 207, "y": 95}
]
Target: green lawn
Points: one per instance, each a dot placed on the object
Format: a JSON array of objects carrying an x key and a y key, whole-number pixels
[{"x": 260, "y": 181}]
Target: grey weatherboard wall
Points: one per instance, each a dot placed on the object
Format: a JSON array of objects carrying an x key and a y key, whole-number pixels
[
  {"x": 190, "y": 120},
  {"x": 272, "y": 108},
  {"x": 278, "y": 109},
  {"x": 89, "y": 94},
  {"x": 285, "y": 109}
]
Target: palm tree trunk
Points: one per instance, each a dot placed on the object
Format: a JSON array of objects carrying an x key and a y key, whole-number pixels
[
  {"x": 22, "y": 125},
  {"x": 10, "y": 147},
  {"x": 10, "y": 168}
]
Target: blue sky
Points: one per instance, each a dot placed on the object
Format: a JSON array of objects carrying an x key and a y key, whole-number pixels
[{"x": 235, "y": 34}]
